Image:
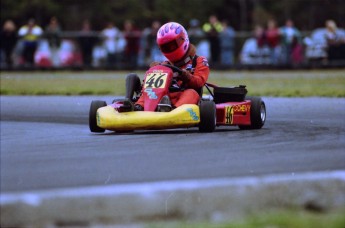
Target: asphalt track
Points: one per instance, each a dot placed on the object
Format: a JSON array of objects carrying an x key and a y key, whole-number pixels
[{"x": 46, "y": 144}]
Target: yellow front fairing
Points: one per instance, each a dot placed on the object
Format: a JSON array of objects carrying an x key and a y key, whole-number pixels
[{"x": 184, "y": 116}]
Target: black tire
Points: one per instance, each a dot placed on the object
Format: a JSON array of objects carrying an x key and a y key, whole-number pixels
[
  {"x": 133, "y": 86},
  {"x": 207, "y": 116},
  {"x": 257, "y": 114},
  {"x": 95, "y": 105}
]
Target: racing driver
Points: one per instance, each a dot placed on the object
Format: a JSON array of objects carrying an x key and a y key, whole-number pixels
[{"x": 173, "y": 41}]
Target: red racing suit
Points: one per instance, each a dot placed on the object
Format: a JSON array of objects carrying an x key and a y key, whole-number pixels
[{"x": 192, "y": 80}]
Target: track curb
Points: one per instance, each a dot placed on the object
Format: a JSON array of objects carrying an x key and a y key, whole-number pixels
[{"x": 213, "y": 200}]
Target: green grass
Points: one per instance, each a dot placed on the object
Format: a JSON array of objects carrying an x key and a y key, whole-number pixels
[
  {"x": 324, "y": 83},
  {"x": 280, "y": 219}
]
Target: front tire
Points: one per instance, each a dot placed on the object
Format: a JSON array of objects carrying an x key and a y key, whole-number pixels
[
  {"x": 207, "y": 116},
  {"x": 95, "y": 105},
  {"x": 257, "y": 114}
]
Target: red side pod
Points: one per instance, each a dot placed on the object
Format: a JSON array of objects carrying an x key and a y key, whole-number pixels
[{"x": 234, "y": 113}]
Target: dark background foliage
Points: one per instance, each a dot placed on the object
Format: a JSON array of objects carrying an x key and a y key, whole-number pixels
[{"x": 242, "y": 14}]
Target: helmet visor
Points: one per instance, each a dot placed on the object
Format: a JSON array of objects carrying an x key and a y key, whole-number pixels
[{"x": 171, "y": 46}]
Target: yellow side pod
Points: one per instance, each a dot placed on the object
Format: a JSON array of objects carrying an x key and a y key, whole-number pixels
[{"x": 184, "y": 116}]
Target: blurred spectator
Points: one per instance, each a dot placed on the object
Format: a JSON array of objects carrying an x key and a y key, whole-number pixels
[
  {"x": 227, "y": 44},
  {"x": 155, "y": 53},
  {"x": 8, "y": 41},
  {"x": 143, "y": 47},
  {"x": 335, "y": 41},
  {"x": 69, "y": 54},
  {"x": 87, "y": 40},
  {"x": 148, "y": 49},
  {"x": 198, "y": 38},
  {"x": 315, "y": 47},
  {"x": 212, "y": 29},
  {"x": 272, "y": 36},
  {"x": 43, "y": 55},
  {"x": 132, "y": 36},
  {"x": 53, "y": 35},
  {"x": 114, "y": 44},
  {"x": 132, "y": 47},
  {"x": 255, "y": 50},
  {"x": 259, "y": 35},
  {"x": 291, "y": 43},
  {"x": 195, "y": 33},
  {"x": 30, "y": 35}
]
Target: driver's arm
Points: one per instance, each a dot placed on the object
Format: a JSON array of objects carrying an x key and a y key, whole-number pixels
[{"x": 200, "y": 75}]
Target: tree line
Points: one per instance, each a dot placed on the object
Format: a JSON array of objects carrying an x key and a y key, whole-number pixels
[{"x": 243, "y": 15}]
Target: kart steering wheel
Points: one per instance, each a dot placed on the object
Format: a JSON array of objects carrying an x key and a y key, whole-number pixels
[{"x": 173, "y": 68}]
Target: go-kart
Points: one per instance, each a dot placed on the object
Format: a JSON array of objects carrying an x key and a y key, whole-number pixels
[{"x": 224, "y": 106}]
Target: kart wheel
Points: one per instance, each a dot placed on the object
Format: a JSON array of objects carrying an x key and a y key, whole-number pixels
[
  {"x": 207, "y": 116},
  {"x": 257, "y": 114},
  {"x": 132, "y": 86},
  {"x": 95, "y": 105}
]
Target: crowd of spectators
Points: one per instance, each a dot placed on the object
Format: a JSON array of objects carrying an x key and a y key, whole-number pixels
[
  {"x": 126, "y": 46},
  {"x": 286, "y": 46}
]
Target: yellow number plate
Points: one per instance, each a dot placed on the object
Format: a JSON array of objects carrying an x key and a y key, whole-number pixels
[{"x": 155, "y": 80}]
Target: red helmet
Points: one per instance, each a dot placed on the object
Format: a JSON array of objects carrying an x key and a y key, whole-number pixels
[{"x": 172, "y": 39}]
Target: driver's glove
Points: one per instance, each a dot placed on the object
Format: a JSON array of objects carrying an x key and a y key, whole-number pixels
[
  {"x": 155, "y": 63},
  {"x": 186, "y": 76}
]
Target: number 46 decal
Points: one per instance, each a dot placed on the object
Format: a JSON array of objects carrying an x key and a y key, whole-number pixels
[{"x": 154, "y": 80}]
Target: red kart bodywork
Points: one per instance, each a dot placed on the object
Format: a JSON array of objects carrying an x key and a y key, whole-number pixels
[
  {"x": 230, "y": 113},
  {"x": 156, "y": 85},
  {"x": 233, "y": 113},
  {"x": 225, "y": 106},
  {"x": 156, "y": 79}
]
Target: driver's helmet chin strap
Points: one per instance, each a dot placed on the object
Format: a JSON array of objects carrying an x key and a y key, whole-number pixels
[
  {"x": 183, "y": 62},
  {"x": 189, "y": 56}
]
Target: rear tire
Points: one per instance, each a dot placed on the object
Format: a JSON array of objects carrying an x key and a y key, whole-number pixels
[
  {"x": 257, "y": 114},
  {"x": 207, "y": 116},
  {"x": 95, "y": 105},
  {"x": 132, "y": 86}
]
